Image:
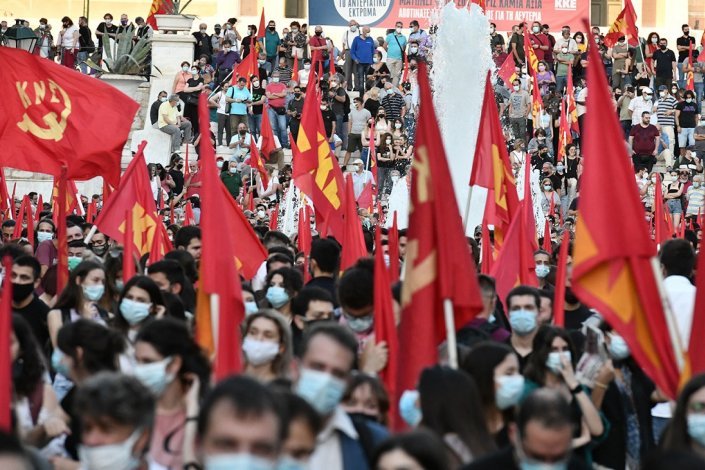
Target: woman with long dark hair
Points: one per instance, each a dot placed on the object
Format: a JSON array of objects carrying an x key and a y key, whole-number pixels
[
  {"x": 449, "y": 407},
  {"x": 140, "y": 302},
  {"x": 495, "y": 368},
  {"x": 175, "y": 369}
]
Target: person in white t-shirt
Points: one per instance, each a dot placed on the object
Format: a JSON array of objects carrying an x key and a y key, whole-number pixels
[{"x": 68, "y": 40}]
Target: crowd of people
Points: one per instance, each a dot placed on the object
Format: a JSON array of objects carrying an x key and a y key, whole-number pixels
[{"x": 107, "y": 373}]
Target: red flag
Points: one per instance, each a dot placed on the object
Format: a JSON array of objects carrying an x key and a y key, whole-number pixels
[
  {"x": 128, "y": 254},
  {"x": 12, "y": 200},
  {"x": 71, "y": 199},
  {"x": 62, "y": 258},
  {"x": 219, "y": 274},
  {"x": 393, "y": 242},
  {"x": 515, "y": 261},
  {"x": 353, "y": 242},
  {"x": 491, "y": 168},
  {"x": 5, "y": 345},
  {"x": 487, "y": 250},
  {"x": 372, "y": 155},
  {"x": 689, "y": 76},
  {"x": 268, "y": 144},
  {"x": 7, "y": 205},
  {"x": 295, "y": 70},
  {"x": 49, "y": 119},
  {"x": 613, "y": 258},
  {"x": 161, "y": 244},
  {"x": 187, "y": 171},
  {"x": 662, "y": 231},
  {"x": 696, "y": 347},
  {"x": 261, "y": 29},
  {"x": 405, "y": 73},
  {"x": 564, "y": 135},
  {"x": 273, "y": 217},
  {"x": 304, "y": 237},
  {"x": 439, "y": 266},
  {"x": 532, "y": 66},
  {"x": 624, "y": 25},
  {"x": 91, "y": 212},
  {"x": 134, "y": 195},
  {"x": 561, "y": 275},
  {"x": 107, "y": 191},
  {"x": 316, "y": 170},
  {"x": 257, "y": 163},
  {"x": 40, "y": 207},
  {"x": 571, "y": 107},
  {"x": 159, "y": 7},
  {"x": 507, "y": 72},
  {"x": 547, "y": 236},
  {"x": 385, "y": 328},
  {"x": 20, "y": 216},
  {"x": 331, "y": 65},
  {"x": 189, "y": 218},
  {"x": 246, "y": 69},
  {"x": 365, "y": 200}
]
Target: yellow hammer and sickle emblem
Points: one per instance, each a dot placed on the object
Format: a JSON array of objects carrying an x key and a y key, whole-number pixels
[
  {"x": 54, "y": 123},
  {"x": 143, "y": 228},
  {"x": 417, "y": 276},
  {"x": 325, "y": 167},
  {"x": 421, "y": 177}
]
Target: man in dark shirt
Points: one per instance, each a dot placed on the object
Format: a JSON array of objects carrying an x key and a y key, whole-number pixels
[
  {"x": 25, "y": 279},
  {"x": 203, "y": 42},
  {"x": 683, "y": 45},
  {"x": 496, "y": 39},
  {"x": 664, "y": 64},
  {"x": 294, "y": 110},
  {"x": 643, "y": 139},
  {"x": 328, "y": 119},
  {"x": 516, "y": 45},
  {"x": 324, "y": 261},
  {"x": 154, "y": 109}
]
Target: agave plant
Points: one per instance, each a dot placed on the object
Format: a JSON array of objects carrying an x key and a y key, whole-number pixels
[{"x": 129, "y": 55}]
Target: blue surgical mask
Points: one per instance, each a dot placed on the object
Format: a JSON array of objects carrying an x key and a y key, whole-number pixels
[
  {"x": 44, "y": 236},
  {"x": 237, "y": 462},
  {"x": 542, "y": 270},
  {"x": 696, "y": 428},
  {"x": 554, "y": 361},
  {"x": 134, "y": 312},
  {"x": 154, "y": 375},
  {"x": 119, "y": 285},
  {"x": 94, "y": 292},
  {"x": 290, "y": 463},
  {"x": 618, "y": 348},
  {"x": 359, "y": 324},
  {"x": 408, "y": 409},
  {"x": 251, "y": 307},
  {"x": 509, "y": 390},
  {"x": 58, "y": 364},
  {"x": 522, "y": 322},
  {"x": 320, "y": 389},
  {"x": 277, "y": 296}
]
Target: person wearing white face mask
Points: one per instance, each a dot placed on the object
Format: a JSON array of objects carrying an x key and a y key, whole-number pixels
[
  {"x": 695, "y": 195},
  {"x": 348, "y": 36},
  {"x": 173, "y": 367},
  {"x": 495, "y": 368},
  {"x": 519, "y": 107},
  {"x": 623, "y": 394},
  {"x": 116, "y": 419},
  {"x": 139, "y": 301},
  {"x": 327, "y": 358},
  {"x": 283, "y": 285},
  {"x": 267, "y": 346},
  {"x": 240, "y": 427},
  {"x": 551, "y": 366}
]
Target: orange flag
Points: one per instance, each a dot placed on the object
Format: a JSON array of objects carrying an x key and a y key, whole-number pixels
[
  {"x": 439, "y": 266},
  {"x": 353, "y": 241},
  {"x": 6, "y": 391},
  {"x": 315, "y": 166},
  {"x": 219, "y": 273},
  {"x": 385, "y": 328},
  {"x": 624, "y": 25},
  {"x": 515, "y": 261},
  {"x": 614, "y": 258},
  {"x": 491, "y": 168},
  {"x": 561, "y": 275},
  {"x": 134, "y": 195}
]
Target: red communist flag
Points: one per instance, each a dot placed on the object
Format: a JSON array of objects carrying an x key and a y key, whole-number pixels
[
  {"x": 614, "y": 257},
  {"x": 561, "y": 275},
  {"x": 507, "y": 72},
  {"x": 564, "y": 135},
  {"x": 52, "y": 118},
  {"x": 393, "y": 242},
  {"x": 257, "y": 163},
  {"x": 267, "y": 142},
  {"x": 385, "y": 328},
  {"x": 571, "y": 107},
  {"x": 135, "y": 195},
  {"x": 439, "y": 266},
  {"x": 261, "y": 30},
  {"x": 491, "y": 168},
  {"x": 662, "y": 230},
  {"x": 624, "y": 25},
  {"x": 159, "y": 7},
  {"x": 353, "y": 240},
  {"x": 316, "y": 167},
  {"x": 220, "y": 280}
]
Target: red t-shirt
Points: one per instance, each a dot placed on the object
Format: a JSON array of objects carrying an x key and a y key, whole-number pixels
[
  {"x": 643, "y": 143},
  {"x": 276, "y": 88},
  {"x": 541, "y": 40}
]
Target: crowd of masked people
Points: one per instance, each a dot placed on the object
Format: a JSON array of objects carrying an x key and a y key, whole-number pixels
[{"x": 107, "y": 372}]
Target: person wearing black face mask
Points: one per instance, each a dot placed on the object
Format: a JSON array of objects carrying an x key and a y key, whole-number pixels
[
  {"x": 664, "y": 65},
  {"x": 25, "y": 278},
  {"x": 176, "y": 173},
  {"x": 99, "y": 244},
  {"x": 294, "y": 110},
  {"x": 575, "y": 312},
  {"x": 683, "y": 45},
  {"x": 272, "y": 42}
]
